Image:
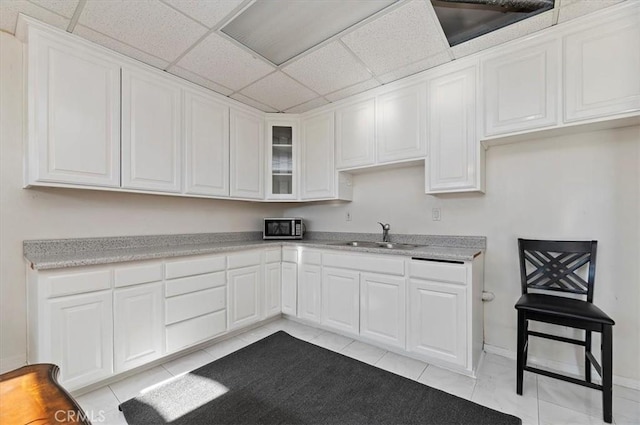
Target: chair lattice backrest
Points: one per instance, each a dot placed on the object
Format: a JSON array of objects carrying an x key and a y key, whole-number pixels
[{"x": 558, "y": 266}]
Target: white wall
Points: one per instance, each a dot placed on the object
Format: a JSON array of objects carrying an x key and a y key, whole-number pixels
[
  {"x": 65, "y": 213},
  {"x": 583, "y": 186}
]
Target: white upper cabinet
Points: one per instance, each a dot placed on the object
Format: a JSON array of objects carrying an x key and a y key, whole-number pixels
[
  {"x": 401, "y": 124},
  {"x": 455, "y": 154},
  {"x": 317, "y": 161},
  {"x": 247, "y": 155},
  {"x": 521, "y": 87},
  {"x": 355, "y": 135},
  {"x": 206, "y": 138},
  {"x": 602, "y": 67},
  {"x": 282, "y": 164},
  {"x": 151, "y": 132},
  {"x": 74, "y": 113}
]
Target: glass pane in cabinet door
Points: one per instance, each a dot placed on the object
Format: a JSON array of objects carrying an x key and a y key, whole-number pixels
[
  {"x": 281, "y": 185},
  {"x": 282, "y": 135}
]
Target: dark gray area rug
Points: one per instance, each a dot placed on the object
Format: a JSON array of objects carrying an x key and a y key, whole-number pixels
[{"x": 283, "y": 380}]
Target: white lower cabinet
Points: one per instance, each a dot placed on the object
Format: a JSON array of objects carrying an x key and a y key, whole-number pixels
[
  {"x": 309, "y": 292},
  {"x": 341, "y": 299},
  {"x": 272, "y": 283},
  {"x": 438, "y": 321},
  {"x": 79, "y": 338},
  {"x": 289, "y": 288},
  {"x": 244, "y": 296},
  {"x": 383, "y": 308},
  {"x": 138, "y": 334}
]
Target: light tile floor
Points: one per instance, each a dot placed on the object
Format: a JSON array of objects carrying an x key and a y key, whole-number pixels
[{"x": 545, "y": 401}]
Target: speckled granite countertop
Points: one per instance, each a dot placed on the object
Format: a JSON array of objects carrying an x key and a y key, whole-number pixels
[{"x": 61, "y": 253}]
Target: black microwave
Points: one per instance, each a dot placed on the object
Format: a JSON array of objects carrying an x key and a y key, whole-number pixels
[{"x": 283, "y": 228}]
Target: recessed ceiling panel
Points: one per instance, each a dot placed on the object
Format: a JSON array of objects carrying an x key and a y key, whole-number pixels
[
  {"x": 463, "y": 20},
  {"x": 279, "y": 30}
]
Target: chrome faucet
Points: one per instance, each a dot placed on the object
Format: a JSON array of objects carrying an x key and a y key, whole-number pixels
[{"x": 385, "y": 231}]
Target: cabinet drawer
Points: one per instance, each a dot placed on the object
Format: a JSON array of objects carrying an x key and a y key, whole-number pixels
[
  {"x": 441, "y": 272},
  {"x": 193, "y": 266},
  {"x": 134, "y": 275},
  {"x": 244, "y": 259},
  {"x": 273, "y": 256},
  {"x": 78, "y": 282},
  {"x": 311, "y": 257},
  {"x": 290, "y": 255},
  {"x": 195, "y": 304},
  {"x": 189, "y": 332},
  {"x": 193, "y": 283},
  {"x": 370, "y": 263}
]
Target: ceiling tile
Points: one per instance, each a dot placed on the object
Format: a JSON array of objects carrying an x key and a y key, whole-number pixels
[
  {"x": 414, "y": 68},
  {"x": 9, "y": 10},
  {"x": 65, "y": 8},
  {"x": 398, "y": 38},
  {"x": 219, "y": 60},
  {"x": 279, "y": 90},
  {"x": 571, "y": 9},
  {"x": 307, "y": 106},
  {"x": 328, "y": 69},
  {"x": 502, "y": 35},
  {"x": 354, "y": 89},
  {"x": 196, "y": 79},
  {"x": 248, "y": 101},
  {"x": 148, "y": 25},
  {"x": 209, "y": 12},
  {"x": 119, "y": 47}
]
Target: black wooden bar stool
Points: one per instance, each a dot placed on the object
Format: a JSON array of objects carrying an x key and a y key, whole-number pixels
[{"x": 556, "y": 266}]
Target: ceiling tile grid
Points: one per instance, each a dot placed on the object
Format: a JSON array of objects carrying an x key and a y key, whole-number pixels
[
  {"x": 150, "y": 25},
  {"x": 307, "y": 106},
  {"x": 328, "y": 69},
  {"x": 251, "y": 102},
  {"x": 9, "y": 10},
  {"x": 208, "y": 13},
  {"x": 65, "y": 8},
  {"x": 352, "y": 90},
  {"x": 120, "y": 47},
  {"x": 279, "y": 90},
  {"x": 195, "y": 78},
  {"x": 571, "y": 9},
  {"x": 399, "y": 38},
  {"x": 414, "y": 68},
  {"x": 218, "y": 59}
]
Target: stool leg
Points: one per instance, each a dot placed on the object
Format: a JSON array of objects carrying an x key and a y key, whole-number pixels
[
  {"x": 587, "y": 362},
  {"x": 607, "y": 369},
  {"x": 522, "y": 337}
]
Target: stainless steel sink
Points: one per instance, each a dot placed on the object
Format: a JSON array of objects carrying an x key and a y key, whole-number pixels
[{"x": 386, "y": 245}]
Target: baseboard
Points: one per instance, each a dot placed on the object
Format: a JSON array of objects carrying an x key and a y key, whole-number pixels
[
  {"x": 572, "y": 369},
  {"x": 10, "y": 363}
]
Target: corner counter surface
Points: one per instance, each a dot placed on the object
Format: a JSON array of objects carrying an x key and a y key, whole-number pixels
[{"x": 62, "y": 253}]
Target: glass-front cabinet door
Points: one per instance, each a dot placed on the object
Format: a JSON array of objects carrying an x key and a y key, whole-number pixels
[{"x": 281, "y": 159}]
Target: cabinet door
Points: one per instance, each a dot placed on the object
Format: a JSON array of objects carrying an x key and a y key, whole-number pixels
[
  {"x": 521, "y": 88},
  {"x": 453, "y": 164},
  {"x": 289, "y": 288},
  {"x": 247, "y": 155},
  {"x": 282, "y": 167},
  {"x": 438, "y": 320},
  {"x": 206, "y": 137},
  {"x": 151, "y": 135},
  {"x": 273, "y": 279},
  {"x": 74, "y": 114},
  {"x": 318, "y": 172},
  {"x": 383, "y": 308},
  {"x": 355, "y": 135},
  {"x": 138, "y": 322},
  {"x": 401, "y": 124},
  {"x": 602, "y": 68},
  {"x": 244, "y": 296},
  {"x": 309, "y": 292},
  {"x": 81, "y": 337},
  {"x": 341, "y": 299}
]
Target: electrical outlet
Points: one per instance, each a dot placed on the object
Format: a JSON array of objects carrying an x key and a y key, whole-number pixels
[
  {"x": 435, "y": 214},
  {"x": 348, "y": 216}
]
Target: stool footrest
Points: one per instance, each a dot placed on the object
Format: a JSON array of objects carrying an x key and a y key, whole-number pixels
[{"x": 563, "y": 377}]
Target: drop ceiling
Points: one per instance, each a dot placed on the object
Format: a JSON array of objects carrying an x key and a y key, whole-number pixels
[{"x": 185, "y": 38}]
